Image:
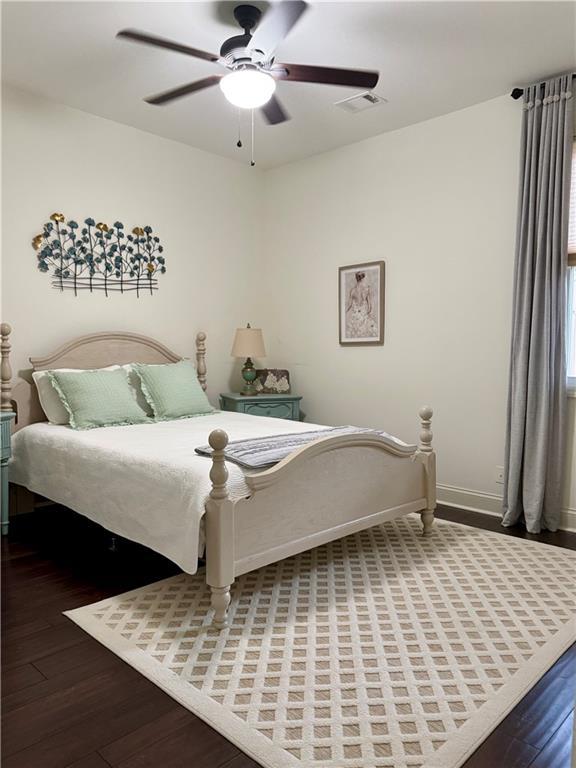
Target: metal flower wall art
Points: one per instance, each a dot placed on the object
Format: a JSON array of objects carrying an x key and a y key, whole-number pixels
[{"x": 96, "y": 257}]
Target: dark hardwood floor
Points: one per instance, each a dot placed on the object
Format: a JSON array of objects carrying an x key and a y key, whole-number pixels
[{"x": 68, "y": 702}]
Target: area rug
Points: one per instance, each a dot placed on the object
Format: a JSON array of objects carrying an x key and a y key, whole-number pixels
[{"x": 384, "y": 649}]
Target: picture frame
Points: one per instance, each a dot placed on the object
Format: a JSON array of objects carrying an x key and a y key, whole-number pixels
[
  {"x": 272, "y": 381},
  {"x": 361, "y": 304}
]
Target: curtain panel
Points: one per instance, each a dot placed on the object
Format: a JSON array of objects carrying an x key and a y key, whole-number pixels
[{"x": 536, "y": 423}]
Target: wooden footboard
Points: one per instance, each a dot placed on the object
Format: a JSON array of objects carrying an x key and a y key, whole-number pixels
[{"x": 327, "y": 489}]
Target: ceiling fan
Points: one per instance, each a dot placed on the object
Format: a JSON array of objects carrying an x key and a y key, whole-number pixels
[{"x": 253, "y": 72}]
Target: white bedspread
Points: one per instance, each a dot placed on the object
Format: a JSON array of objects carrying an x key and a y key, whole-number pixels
[{"x": 143, "y": 482}]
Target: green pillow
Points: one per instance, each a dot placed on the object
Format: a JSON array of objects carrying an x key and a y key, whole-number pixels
[
  {"x": 173, "y": 390},
  {"x": 97, "y": 398}
]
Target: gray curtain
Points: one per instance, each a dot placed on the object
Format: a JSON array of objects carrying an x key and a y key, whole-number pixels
[{"x": 535, "y": 439}]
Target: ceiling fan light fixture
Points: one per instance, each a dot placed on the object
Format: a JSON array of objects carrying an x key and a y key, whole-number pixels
[{"x": 248, "y": 88}]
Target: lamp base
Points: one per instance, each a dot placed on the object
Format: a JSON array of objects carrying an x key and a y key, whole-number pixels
[{"x": 249, "y": 376}]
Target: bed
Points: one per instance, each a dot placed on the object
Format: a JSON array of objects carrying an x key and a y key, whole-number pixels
[{"x": 146, "y": 483}]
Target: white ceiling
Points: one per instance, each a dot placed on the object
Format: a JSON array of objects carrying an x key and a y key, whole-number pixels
[{"x": 433, "y": 58}]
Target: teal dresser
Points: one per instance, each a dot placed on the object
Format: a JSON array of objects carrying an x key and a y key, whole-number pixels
[
  {"x": 277, "y": 406},
  {"x": 5, "y": 428}
]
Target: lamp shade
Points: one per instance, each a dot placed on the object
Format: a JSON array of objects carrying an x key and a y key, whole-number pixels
[{"x": 248, "y": 342}]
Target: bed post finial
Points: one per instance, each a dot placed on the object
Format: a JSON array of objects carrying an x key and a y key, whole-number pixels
[
  {"x": 5, "y": 368},
  {"x": 219, "y": 532},
  {"x": 201, "y": 358},
  {"x": 218, "y": 474},
  {"x": 426, "y": 435}
]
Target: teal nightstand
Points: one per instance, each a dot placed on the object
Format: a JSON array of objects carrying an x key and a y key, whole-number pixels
[
  {"x": 5, "y": 427},
  {"x": 277, "y": 406}
]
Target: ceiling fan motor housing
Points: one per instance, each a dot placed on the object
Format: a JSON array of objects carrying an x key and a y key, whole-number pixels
[{"x": 235, "y": 51}]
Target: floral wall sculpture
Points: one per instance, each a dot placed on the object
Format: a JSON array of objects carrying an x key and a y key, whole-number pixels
[{"x": 96, "y": 257}]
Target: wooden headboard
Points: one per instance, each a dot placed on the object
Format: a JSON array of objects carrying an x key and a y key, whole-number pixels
[{"x": 97, "y": 350}]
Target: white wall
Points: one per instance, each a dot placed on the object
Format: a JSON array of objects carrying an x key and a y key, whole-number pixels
[
  {"x": 201, "y": 206},
  {"x": 437, "y": 202}
]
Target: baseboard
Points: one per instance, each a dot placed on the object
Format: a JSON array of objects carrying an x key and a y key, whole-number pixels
[
  {"x": 568, "y": 520},
  {"x": 490, "y": 504}
]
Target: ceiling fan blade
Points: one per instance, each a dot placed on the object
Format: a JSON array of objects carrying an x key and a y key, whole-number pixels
[
  {"x": 274, "y": 112},
  {"x": 184, "y": 90},
  {"x": 276, "y": 25},
  {"x": 302, "y": 73},
  {"x": 160, "y": 42}
]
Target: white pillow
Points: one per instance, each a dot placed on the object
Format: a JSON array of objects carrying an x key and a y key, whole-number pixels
[
  {"x": 52, "y": 404},
  {"x": 50, "y": 399}
]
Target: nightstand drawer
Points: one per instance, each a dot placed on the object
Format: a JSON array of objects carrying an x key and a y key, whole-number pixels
[
  {"x": 275, "y": 410},
  {"x": 5, "y": 426},
  {"x": 272, "y": 406}
]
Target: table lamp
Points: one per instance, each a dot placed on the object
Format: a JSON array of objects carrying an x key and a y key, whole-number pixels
[{"x": 248, "y": 343}]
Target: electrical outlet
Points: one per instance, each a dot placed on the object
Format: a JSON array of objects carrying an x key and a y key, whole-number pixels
[{"x": 499, "y": 476}]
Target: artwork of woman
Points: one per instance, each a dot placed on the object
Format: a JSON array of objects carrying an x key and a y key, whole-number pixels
[
  {"x": 362, "y": 303},
  {"x": 360, "y": 322}
]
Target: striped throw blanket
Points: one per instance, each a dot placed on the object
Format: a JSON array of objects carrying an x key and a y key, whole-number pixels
[{"x": 261, "y": 452}]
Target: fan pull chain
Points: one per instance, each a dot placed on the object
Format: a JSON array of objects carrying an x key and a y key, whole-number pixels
[
  {"x": 252, "y": 161},
  {"x": 239, "y": 142}
]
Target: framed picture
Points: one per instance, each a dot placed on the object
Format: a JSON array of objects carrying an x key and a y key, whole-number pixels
[
  {"x": 361, "y": 304},
  {"x": 272, "y": 381}
]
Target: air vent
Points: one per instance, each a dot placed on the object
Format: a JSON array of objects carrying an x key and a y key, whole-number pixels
[{"x": 361, "y": 102}]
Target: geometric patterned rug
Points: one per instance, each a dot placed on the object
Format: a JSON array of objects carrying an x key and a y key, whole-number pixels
[{"x": 381, "y": 650}]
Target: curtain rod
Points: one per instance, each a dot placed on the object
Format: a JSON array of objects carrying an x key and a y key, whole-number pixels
[{"x": 518, "y": 92}]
